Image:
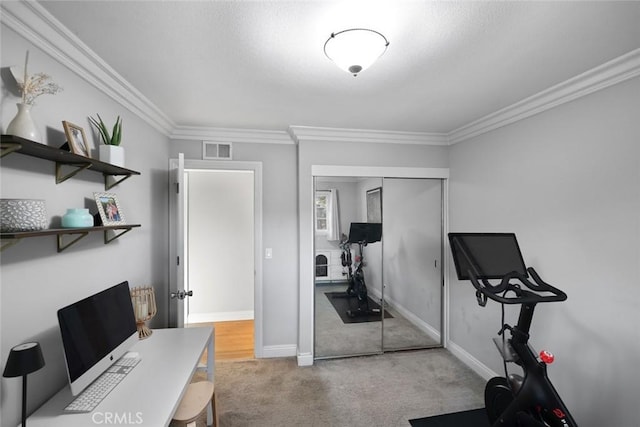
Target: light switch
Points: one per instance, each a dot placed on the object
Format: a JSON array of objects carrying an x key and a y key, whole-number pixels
[{"x": 268, "y": 253}]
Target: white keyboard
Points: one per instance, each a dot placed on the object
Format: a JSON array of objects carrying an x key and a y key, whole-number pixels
[{"x": 102, "y": 386}]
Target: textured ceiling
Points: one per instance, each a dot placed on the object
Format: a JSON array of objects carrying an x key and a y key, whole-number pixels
[{"x": 261, "y": 65}]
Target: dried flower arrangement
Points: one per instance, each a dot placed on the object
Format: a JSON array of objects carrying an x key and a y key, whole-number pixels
[{"x": 35, "y": 85}]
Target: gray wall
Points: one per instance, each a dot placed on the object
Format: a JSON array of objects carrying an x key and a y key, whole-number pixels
[
  {"x": 36, "y": 280},
  {"x": 567, "y": 182}
]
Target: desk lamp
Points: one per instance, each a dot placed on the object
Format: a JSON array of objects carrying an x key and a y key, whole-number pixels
[{"x": 23, "y": 360}]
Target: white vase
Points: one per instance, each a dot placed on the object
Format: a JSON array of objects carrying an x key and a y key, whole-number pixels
[
  {"x": 23, "y": 125},
  {"x": 112, "y": 154}
]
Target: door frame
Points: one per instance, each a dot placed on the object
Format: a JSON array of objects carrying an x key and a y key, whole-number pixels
[
  {"x": 256, "y": 167},
  {"x": 306, "y": 302}
]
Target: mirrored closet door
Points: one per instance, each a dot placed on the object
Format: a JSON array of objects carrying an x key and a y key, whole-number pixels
[
  {"x": 412, "y": 230},
  {"x": 378, "y": 278},
  {"x": 347, "y": 320}
]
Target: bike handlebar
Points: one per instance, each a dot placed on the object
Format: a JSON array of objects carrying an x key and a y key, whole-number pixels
[{"x": 485, "y": 290}]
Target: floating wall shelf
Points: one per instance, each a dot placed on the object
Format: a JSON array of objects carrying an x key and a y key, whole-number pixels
[
  {"x": 113, "y": 175},
  {"x": 111, "y": 233}
]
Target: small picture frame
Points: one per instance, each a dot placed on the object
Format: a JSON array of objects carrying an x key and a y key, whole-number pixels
[
  {"x": 109, "y": 209},
  {"x": 76, "y": 139},
  {"x": 374, "y": 205}
]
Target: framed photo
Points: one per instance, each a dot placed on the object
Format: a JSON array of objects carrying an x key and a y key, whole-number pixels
[
  {"x": 374, "y": 205},
  {"x": 109, "y": 209},
  {"x": 76, "y": 139}
]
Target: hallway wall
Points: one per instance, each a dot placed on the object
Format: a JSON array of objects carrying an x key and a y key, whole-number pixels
[{"x": 220, "y": 257}]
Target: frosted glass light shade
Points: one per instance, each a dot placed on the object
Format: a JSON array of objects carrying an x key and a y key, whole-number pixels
[{"x": 356, "y": 49}]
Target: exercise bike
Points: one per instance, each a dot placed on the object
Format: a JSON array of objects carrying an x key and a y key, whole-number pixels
[
  {"x": 347, "y": 263},
  {"x": 528, "y": 400},
  {"x": 361, "y": 233}
]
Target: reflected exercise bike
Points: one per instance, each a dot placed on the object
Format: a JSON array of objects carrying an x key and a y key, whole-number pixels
[
  {"x": 362, "y": 234},
  {"x": 527, "y": 400}
]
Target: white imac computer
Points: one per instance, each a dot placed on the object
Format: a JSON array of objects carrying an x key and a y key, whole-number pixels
[{"x": 96, "y": 332}]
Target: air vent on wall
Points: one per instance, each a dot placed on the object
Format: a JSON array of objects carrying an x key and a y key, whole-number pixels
[{"x": 216, "y": 151}]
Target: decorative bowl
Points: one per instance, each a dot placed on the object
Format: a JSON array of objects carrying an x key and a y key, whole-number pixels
[{"x": 22, "y": 215}]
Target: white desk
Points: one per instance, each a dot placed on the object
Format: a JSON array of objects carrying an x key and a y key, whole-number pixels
[{"x": 150, "y": 393}]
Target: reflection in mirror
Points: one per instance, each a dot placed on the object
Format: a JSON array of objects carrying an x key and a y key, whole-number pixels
[
  {"x": 346, "y": 321},
  {"x": 412, "y": 262},
  {"x": 407, "y": 260}
]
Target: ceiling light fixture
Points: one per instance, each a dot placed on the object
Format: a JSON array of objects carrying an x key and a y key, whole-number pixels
[{"x": 356, "y": 49}]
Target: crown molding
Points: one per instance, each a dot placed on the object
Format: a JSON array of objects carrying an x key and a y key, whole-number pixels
[
  {"x": 308, "y": 133},
  {"x": 623, "y": 68},
  {"x": 33, "y": 22},
  {"x": 230, "y": 135}
]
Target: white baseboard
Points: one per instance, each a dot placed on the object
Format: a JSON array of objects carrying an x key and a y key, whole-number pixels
[
  {"x": 416, "y": 321},
  {"x": 412, "y": 318},
  {"x": 473, "y": 363},
  {"x": 305, "y": 359},
  {"x": 270, "y": 351},
  {"x": 220, "y": 317}
]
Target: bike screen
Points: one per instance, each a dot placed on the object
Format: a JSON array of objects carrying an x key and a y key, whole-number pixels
[{"x": 488, "y": 255}]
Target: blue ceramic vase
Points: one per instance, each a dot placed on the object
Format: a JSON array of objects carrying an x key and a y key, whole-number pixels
[{"x": 77, "y": 218}]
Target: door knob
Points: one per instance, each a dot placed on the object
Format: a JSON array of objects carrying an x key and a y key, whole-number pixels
[{"x": 181, "y": 294}]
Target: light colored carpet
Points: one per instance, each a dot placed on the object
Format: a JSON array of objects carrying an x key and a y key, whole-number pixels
[{"x": 383, "y": 390}]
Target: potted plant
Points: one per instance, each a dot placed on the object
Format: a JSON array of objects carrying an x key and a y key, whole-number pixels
[{"x": 110, "y": 151}]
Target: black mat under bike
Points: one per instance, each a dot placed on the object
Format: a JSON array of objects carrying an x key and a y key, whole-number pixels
[{"x": 527, "y": 400}]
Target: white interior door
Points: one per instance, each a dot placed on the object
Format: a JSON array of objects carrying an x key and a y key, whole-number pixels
[{"x": 177, "y": 293}]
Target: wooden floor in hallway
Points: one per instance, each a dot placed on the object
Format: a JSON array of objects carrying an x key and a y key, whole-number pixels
[{"x": 234, "y": 339}]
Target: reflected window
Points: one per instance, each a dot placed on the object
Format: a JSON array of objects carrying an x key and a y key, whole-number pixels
[{"x": 322, "y": 211}]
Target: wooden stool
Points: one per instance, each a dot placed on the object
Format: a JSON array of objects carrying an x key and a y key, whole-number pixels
[{"x": 192, "y": 411}]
